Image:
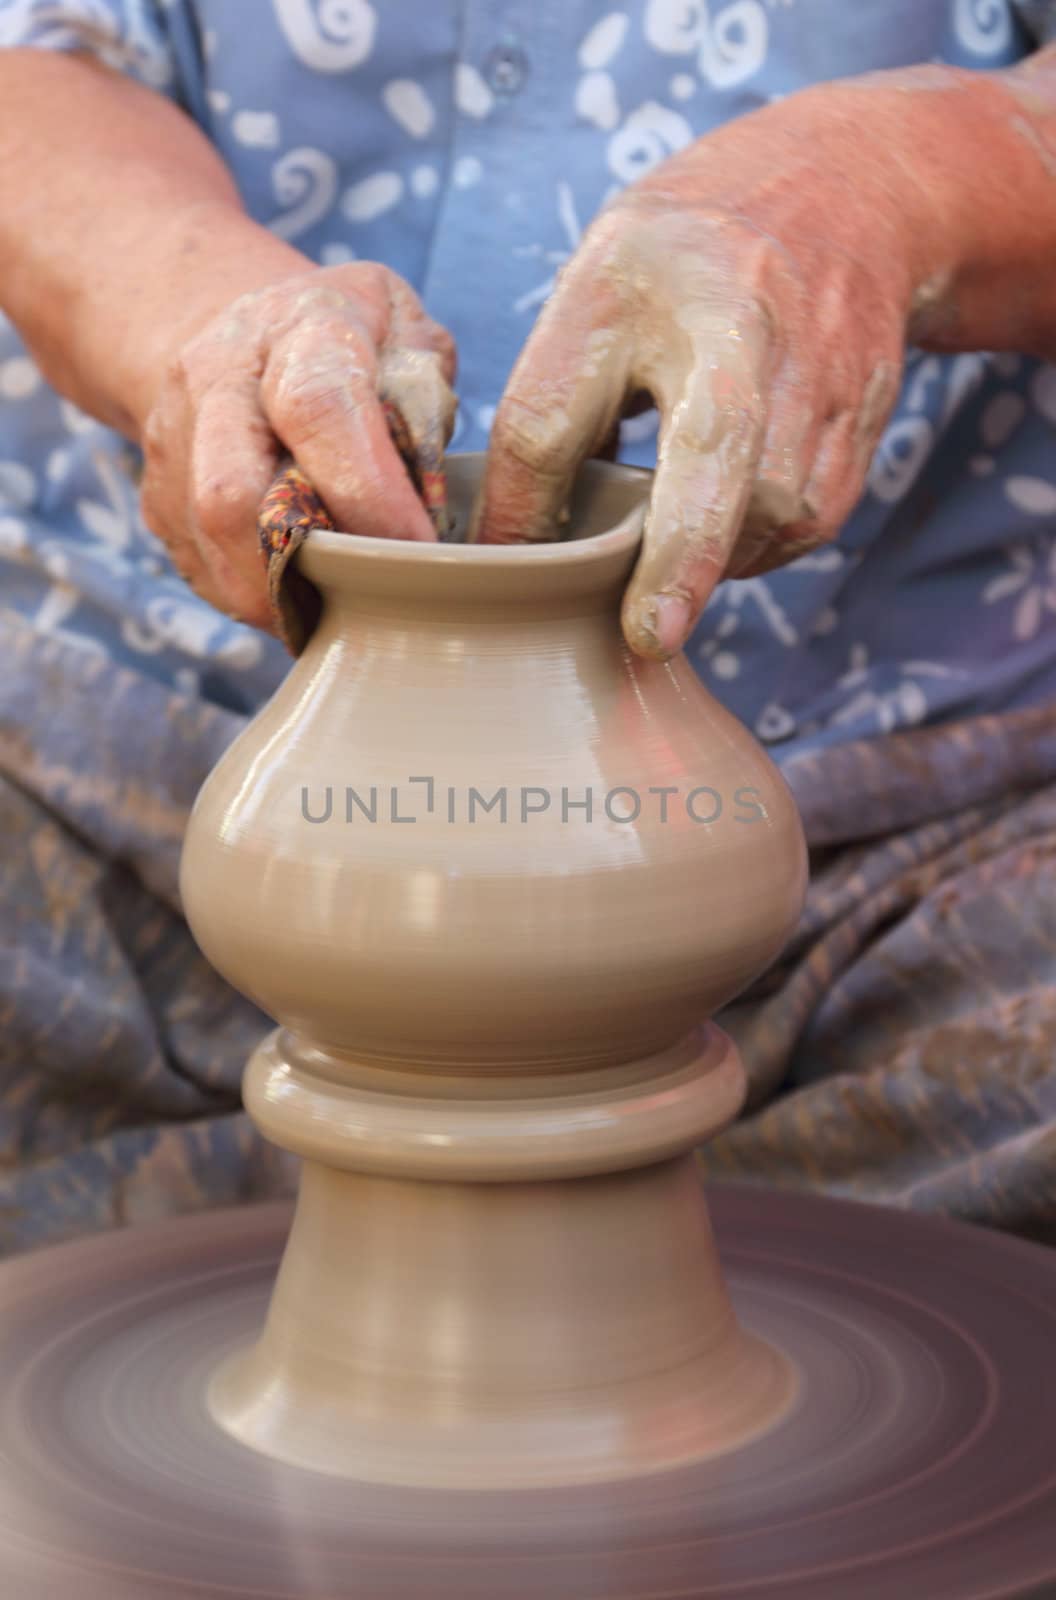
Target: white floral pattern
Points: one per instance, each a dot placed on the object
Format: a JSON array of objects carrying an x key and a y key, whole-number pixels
[
  {"x": 650, "y": 132},
  {"x": 901, "y": 704},
  {"x": 305, "y": 180},
  {"x": 328, "y": 35},
  {"x": 570, "y": 226},
  {"x": 1030, "y": 581},
  {"x": 983, "y": 26},
  {"x": 730, "y": 45}
]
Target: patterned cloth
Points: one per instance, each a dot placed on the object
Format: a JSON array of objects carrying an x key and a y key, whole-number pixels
[
  {"x": 288, "y": 513},
  {"x": 902, "y": 1051}
]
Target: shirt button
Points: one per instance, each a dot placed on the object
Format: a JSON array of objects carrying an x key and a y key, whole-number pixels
[{"x": 505, "y": 69}]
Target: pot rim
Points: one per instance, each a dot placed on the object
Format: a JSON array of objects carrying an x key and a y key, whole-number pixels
[{"x": 374, "y": 566}]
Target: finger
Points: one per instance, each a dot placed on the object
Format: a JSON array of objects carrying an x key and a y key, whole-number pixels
[
  {"x": 778, "y": 499},
  {"x": 189, "y": 565},
  {"x": 184, "y": 557},
  {"x": 234, "y": 458},
  {"x": 831, "y": 494},
  {"x": 844, "y": 447},
  {"x": 711, "y": 440},
  {"x": 414, "y": 381},
  {"x": 411, "y": 329},
  {"x": 163, "y": 462},
  {"x": 388, "y": 309},
  {"x": 417, "y": 369},
  {"x": 562, "y": 401},
  {"x": 164, "y": 501},
  {"x": 319, "y": 392}
]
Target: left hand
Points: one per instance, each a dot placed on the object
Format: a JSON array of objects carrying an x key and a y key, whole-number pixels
[{"x": 758, "y": 286}]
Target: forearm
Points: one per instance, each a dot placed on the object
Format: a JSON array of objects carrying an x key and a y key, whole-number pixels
[
  {"x": 120, "y": 237},
  {"x": 980, "y": 188}
]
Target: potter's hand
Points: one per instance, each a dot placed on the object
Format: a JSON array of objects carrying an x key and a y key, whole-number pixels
[
  {"x": 759, "y": 293},
  {"x": 300, "y": 366},
  {"x": 759, "y": 286}
]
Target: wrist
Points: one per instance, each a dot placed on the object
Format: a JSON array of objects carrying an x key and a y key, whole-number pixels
[
  {"x": 970, "y": 161},
  {"x": 199, "y": 261},
  {"x": 905, "y": 132}
]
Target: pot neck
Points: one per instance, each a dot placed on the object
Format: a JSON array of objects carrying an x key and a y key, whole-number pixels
[{"x": 582, "y": 573}]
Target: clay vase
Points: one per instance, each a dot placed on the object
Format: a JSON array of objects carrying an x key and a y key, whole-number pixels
[{"x": 491, "y": 873}]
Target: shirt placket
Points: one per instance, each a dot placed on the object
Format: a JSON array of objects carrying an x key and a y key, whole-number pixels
[{"x": 499, "y": 224}]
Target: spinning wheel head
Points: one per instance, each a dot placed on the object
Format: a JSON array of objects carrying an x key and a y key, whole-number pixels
[{"x": 916, "y": 1461}]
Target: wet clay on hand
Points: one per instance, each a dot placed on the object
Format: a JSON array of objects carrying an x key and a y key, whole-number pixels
[
  {"x": 307, "y": 367},
  {"x": 761, "y": 286}
]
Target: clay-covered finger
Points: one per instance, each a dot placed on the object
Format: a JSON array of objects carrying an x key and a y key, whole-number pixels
[
  {"x": 234, "y": 456},
  {"x": 778, "y": 501},
  {"x": 320, "y": 393},
  {"x": 712, "y": 434},
  {"x": 841, "y": 449},
  {"x": 415, "y": 382},
  {"x": 562, "y": 401},
  {"x": 835, "y": 484},
  {"x": 410, "y": 328}
]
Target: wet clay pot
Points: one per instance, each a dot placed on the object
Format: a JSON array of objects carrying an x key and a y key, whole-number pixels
[{"x": 491, "y": 873}]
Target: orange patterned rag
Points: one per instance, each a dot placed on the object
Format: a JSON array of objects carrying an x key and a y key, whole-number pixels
[{"x": 292, "y": 508}]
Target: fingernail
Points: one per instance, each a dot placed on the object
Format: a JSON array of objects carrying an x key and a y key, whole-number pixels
[
  {"x": 657, "y": 626},
  {"x": 671, "y": 623}
]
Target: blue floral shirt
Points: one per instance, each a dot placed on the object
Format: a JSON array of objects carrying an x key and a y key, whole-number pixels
[{"x": 467, "y": 144}]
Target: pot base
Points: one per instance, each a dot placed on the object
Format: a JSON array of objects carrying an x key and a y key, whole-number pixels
[
  {"x": 561, "y": 1324},
  {"x": 685, "y": 1415},
  {"x": 502, "y": 1336}
]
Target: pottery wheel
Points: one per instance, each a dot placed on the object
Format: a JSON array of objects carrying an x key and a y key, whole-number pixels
[{"x": 920, "y": 1460}]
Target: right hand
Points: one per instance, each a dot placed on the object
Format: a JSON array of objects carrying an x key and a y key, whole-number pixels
[{"x": 300, "y": 368}]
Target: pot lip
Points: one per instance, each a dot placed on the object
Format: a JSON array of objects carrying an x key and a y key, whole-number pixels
[
  {"x": 564, "y": 553},
  {"x": 324, "y": 547}
]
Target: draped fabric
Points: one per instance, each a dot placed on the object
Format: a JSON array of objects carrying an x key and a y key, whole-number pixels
[
  {"x": 904, "y": 1049},
  {"x": 468, "y": 144}
]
